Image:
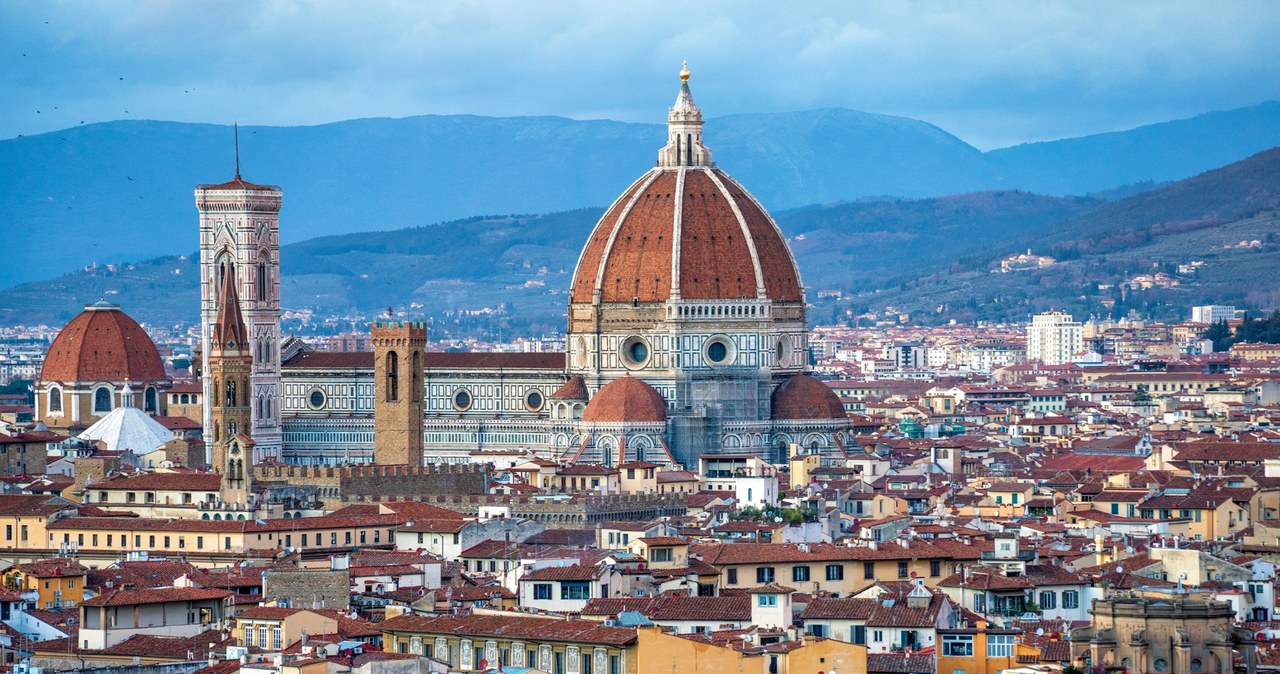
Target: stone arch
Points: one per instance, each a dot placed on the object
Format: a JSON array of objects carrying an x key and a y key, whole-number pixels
[
  {"x": 393, "y": 376},
  {"x": 150, "y": 400},
  {"x": 814, "y": 442}
]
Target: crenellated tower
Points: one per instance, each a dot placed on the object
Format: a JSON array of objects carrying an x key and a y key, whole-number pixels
[
  {"x": 240, "y": 240},
  {"x": 397, "y": 383}
]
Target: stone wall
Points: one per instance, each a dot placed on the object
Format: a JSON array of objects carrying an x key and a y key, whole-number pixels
[
  {"x": 340, "y": 485},
  {"x": 565, "y": 512},
  {"x": 308, "y": 589}
]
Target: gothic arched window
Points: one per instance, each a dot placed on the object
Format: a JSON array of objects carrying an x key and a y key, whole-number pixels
[
  {"x": 393, "y": 376},
  {"x": 262, "y": 278},
  {"x": 55, "y": 399},
  {"x": 231, "y": 393}
]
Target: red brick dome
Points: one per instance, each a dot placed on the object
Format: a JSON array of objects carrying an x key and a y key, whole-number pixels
[
  {"x": 691, "y": 232},
  {"x": 803, "y": 397},
  {"x": 626, "y": 399},
  {"x": 102, "y": 344}
]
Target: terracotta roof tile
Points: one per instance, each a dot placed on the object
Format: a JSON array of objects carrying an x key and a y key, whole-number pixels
[
  {"x": 626, "y": 399},
  {"x": 514, "y": 627},
  {"x": 102, "y": 344}
]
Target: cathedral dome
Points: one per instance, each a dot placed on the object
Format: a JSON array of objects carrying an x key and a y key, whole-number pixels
[
  {"x": 626, "y": 399},
  {"x": 802, "y": 397},
  {"x": 102, "y": 344},
  {"x": 685, "y": 230}
]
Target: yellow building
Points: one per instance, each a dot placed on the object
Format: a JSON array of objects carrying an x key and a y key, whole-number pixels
[
  {"x": 24, "y": 518},
  {"x": 980, "y": 651},
  {"x": 273, "y": 628},
  {"x": 802, "y": 466},
  {"x": 1209, "y": 514},
  {"x": 639, "y": 477},
  {"x": 470, "y": 643},
  {"x": 206, "y": 542},
  {"x": 662, "y": 653},
  {"x": 58, "y": 582},
  {"x": 662, "y": 552}
]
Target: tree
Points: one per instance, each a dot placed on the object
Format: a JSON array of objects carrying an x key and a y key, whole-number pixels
[
  {"x": 1141, "y": 395},
  {"x": 1220, "y": 334}
]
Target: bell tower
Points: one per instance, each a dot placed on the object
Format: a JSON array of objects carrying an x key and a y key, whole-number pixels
[
  {"x": 229, "y": 367},
  {"x": 397, "y": 398},
  {"x": 240, "y": 233}
]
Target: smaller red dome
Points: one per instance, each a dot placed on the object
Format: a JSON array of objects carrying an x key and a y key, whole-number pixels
[
  {"x": 102, "y": 344},
  {"x": 626, "y": 399},
  {"x": 803, "y": 397},
  {"x": 574, "y": 389}
]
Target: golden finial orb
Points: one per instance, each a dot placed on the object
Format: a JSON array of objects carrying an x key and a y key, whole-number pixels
[{"x": 684, "y": 72}]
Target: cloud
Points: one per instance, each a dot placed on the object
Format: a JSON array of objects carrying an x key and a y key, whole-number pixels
[{"x": 991, "y": 72}]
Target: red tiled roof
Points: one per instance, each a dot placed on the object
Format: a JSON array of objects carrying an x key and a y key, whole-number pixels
[
  {"x": 803, "y": 397},
  {"x": 469, "y": 360},
  {"x": 154, "y": 596},
  {"x": 555, "y": 573},
  {"x": 268, "y": 613},
  {"x": 574, "y": 389},
  {"x": 726, "y": 609},
  {"x": 514, "y": 627},
  {"x": 53, "y": 568},
  {"x": 102, "y": 344},
  {"x": 633, "y": 246},
  {"x": 612, "y": 606},
  {"x": 209, "y": 482},
  {"x": 626, "y": 399},
  {"x": 238, "y": 183}
]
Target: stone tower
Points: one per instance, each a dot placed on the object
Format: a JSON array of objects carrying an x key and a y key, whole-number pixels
[
  {"x": 239, "y": 231},
  {"x": 227, "y": 374},
  {"x": 397, "y": 383}
]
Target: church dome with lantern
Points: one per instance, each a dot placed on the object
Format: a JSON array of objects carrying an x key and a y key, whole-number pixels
[{"x": 101, "y": 360}]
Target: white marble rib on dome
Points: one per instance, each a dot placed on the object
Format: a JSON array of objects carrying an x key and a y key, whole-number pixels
[{"x": 128, "y": 428}]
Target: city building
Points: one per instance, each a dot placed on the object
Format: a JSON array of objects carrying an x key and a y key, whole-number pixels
[
  {"x": 100, "y": 360},
  {"x": 686, "y": 336},
  {"x": 1213, "y": 313},
  {"x": 1054, "y": 338}
]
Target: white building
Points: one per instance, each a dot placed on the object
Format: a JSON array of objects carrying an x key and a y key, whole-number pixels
[
  {"x": 1212, "y": 313},
  {"x": 1053, "y": 338}
]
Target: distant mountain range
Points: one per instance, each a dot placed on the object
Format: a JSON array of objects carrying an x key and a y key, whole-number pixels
[
  {"x": 934, "y": 258},
  {"x": 1215, "y": 237},
  {"x": 122, "y": 191}
]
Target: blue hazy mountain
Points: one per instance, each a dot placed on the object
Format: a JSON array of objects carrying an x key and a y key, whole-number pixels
[{"x": 123, "y": 191}]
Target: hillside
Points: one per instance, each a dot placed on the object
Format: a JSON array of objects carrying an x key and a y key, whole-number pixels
[
  {"x": 82, "y": 195},
  {"x": 525, "y": 262},
  {"x": 1226, "y": 219}
]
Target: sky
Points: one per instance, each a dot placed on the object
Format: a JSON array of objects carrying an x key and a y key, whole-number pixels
[{"x": 992, "y": 73}]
